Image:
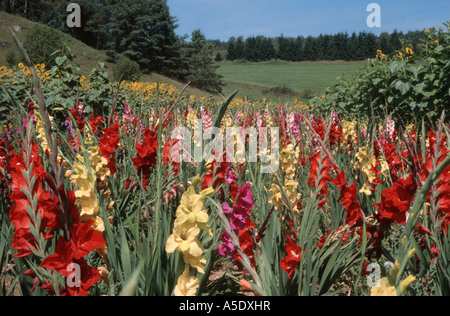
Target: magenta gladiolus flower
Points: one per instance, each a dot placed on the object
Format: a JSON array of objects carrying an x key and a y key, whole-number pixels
[
  {"x": 226, "y": 248},
  {"x": 238, "y": 216}
]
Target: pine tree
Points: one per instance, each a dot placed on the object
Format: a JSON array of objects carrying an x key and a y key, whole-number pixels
[
  {"x": 395, "y": 41},
  {"x": 218, "y": 58},
  {"x": 231, "y": 49},
  {"x": 202, "y": 71},
  {"x": 267, "y": 50},
  {"x": 240, "y": 48},
  {"x": 144, "y": 31},
  {"x": 250, "y": 49},
  {"x": 310, "y": 48}
]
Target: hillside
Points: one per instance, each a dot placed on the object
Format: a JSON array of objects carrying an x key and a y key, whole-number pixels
[{"x": 86, "y": 57}]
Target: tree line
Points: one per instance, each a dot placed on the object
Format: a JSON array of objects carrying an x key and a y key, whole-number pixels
[
  {"x": 141, "y": 30},
  {"x": 340, "y": 46}
]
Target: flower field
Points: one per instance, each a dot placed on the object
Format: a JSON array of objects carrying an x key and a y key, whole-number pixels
[{"x": 133, "y": 189}]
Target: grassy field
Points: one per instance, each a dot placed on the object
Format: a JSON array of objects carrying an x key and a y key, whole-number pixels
[{"x": 298, "y": 80}]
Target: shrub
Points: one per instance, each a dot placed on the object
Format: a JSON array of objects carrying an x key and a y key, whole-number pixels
[
  {"x": 407, "y": 85},
  {"x": 280, "y": 91},
  {"x": 40, "y": 43},
  {"x": 11, "y": 59},
  {"x": 126, "y": 69}
]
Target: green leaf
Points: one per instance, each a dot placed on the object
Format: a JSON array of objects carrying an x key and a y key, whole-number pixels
[
  {"x": 60, "y": 60},
  {"x": 403, "y": 87}
]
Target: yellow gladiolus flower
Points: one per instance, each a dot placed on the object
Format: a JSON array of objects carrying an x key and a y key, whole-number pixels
[
  {"x": 366, "y": 189},
  {"x": 187, "y": 285},
  {"x": 276, "y": 197},
  {"x": 184, "y": 239},
  {"x": 385, "y": 289},
  {"x": 191, "y": 209}
]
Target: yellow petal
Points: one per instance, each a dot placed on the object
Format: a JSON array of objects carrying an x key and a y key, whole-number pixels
[
  {"x": 195, "y": 249},
  {"x": 171, "y": 244},
  {"x": 207, "y": 192},
  {"x": 406, "y": 283}
]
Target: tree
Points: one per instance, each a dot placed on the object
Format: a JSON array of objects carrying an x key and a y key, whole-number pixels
[
  {"x": 251, "y": 50},
  {"x": 267, "y": 49},
  {"x": 144, "y": 31},
  {"x": 310, "y": 48},
  {"x": 231, "y": 49},
  {"x": 240, "y": 48},
  {"x": 395, "y": 41},
  {"x": 202, "y": 71},
  {"x": 385, "y": 43},
  {"x": 218, "y": 58}
]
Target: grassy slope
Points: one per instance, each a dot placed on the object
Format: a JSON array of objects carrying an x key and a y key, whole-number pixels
[{"x": 254, "y": 78}]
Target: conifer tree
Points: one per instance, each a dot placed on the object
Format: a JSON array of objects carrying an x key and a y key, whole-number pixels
[
  {"x": 202, "y": 71},
  {"x": 144, "y": 31}
]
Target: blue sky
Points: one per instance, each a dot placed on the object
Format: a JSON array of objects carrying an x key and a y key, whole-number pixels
[{"x": 221, "y": 19}]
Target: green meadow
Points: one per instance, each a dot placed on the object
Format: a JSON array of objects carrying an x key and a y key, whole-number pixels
[{"x": 280, "y": 80}]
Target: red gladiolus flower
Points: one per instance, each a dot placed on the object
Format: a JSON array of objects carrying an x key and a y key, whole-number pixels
[
  {"x": 78, "y": 114},
  {"x": 47, "y": 206},
  {"x": 396, "y": 201},
  {"x": 145, "y": 160},
  {"x": 96, "y": 123},
  {"x": 216, "y": 175},
  {"x": 108, "y": 146},
  {"x": 242, "y": 225},
  {"x": 323, "y": 240},
  {"x": 65, "y": 263},
  {"x": 292, "y": 258},
  {"x": 349, "y": 200},
  {"x": 320, "y": 166},
  {"x": 68, "y": 257}
]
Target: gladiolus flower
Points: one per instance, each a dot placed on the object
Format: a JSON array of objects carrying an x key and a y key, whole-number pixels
[
  {"x": 385, "y": 289},
  {"x": 292, "y": 258},
  {"x": 184, "y": 239},
  {"x": 187, "y": 285}
]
